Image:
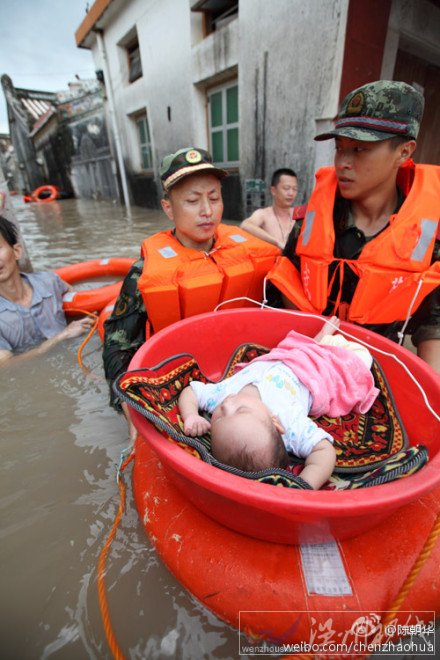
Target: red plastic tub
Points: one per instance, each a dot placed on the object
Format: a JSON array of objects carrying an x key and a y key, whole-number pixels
[{"x": 282, "y": 515}]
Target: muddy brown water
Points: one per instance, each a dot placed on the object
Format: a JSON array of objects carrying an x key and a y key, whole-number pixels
[{"x": 60, "y": 445}]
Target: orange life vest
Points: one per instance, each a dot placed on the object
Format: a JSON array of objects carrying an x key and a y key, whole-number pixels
[
  {"x": 394, "y": 269},
  {"x": 177, "y": 282}
]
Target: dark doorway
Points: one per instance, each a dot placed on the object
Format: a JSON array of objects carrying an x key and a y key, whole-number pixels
[{"x": 412, "y": 69}]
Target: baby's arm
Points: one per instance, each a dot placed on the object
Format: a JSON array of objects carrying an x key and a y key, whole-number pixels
[
  {"x": 193, "y": 423},
  {"x": 307, "y": 440},
  {"x": 319, "y": 464}
]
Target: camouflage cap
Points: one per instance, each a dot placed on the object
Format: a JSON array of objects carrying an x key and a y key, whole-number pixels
[
  {"x": 185, "y": 162},
  {"x": 378, "y": 111}
]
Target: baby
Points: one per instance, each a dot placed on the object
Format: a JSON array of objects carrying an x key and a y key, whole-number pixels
[{"x": 261, "y": 412}]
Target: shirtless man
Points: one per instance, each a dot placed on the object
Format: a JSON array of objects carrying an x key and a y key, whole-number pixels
[{"x": 274, "y": 223}]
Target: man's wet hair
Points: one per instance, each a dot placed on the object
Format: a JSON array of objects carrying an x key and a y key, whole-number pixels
[
  {"x": 8, "y": 231},
  {"x": 239, "y": 455},
  {"x": 283, "y": 171}
]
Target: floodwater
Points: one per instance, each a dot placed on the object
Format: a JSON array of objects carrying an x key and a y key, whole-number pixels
[{"x": 60, "y": 445}]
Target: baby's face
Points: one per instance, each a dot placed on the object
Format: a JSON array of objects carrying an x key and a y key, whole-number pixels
[
  {"x": 240, "y": 405},
  {"x": 241, "y": 418}
]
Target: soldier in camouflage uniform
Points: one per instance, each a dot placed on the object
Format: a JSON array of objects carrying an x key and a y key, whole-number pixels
[
  {"x": 186, "y": 205},
  {"x": 375, "y": 133}
]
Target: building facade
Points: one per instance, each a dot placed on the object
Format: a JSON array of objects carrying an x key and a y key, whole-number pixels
[
  {"x": 9, "y": 164},
  {"x": 252, "y": 81},
  {"x": 61, "y": 138},
  {"x": 92, "y": 167},
  {"x": 27, "y": 109}
]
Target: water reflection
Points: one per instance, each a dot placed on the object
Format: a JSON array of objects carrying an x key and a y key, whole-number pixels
[
  {"x": 60, "y": 233},
  {"x": 60, "y": 446}
]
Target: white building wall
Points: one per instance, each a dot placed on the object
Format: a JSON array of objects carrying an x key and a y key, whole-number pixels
[
  {"x": 290, "y": 64},
  {"x": 164, "y": 42},
  {"x": 175, "y": 75},
  {"x": 128, "y": 97},
  {"x": 288, "y": 58},
  {"x": 214, "y": 60},
  {"x": 164, "y": 39}
]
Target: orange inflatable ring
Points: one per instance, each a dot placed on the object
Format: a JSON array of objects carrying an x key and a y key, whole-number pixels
[
  {"x": 53, "y": 190},
  {"x": 92, "y": 300},
  {"x": 262, "y": 588}
]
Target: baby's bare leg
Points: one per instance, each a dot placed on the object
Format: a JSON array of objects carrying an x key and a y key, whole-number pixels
[
  {"x": 329, "y": 328},
  {"x": 319, "y": 464}
]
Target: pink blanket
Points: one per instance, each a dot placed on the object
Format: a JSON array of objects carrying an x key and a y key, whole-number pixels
[{"x": 337, "y": 379}]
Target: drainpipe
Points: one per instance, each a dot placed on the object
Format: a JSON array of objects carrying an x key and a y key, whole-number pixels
[{"x": 111, "y": 111}]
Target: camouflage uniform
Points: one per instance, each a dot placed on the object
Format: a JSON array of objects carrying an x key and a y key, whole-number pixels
[
  {"x": 378, "y": 111},
  {"x": 124, "y": 330}
]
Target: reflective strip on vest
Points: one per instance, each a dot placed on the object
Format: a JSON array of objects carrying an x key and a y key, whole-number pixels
[
  {"x": 428, "y": 228},
  {"x": 308, "y": 226},
  {"x": 167, "y": 252},
  {"x": 238, "y": 238}
]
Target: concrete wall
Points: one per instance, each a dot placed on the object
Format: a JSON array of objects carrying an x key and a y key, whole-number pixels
[
  {"x": 287, "y": 55},
  {"x": 214, "y": 60},
  {"x": 172, "y": 87},
  {"x": 165, "y": 89},
  {"x": 164, "y": 38},
  {"x": 289, "y": 77}
]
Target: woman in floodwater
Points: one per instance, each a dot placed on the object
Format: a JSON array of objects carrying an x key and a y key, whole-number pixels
[{"x": 31, "y": 314}]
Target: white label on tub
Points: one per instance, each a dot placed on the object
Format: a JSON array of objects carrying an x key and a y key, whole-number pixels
[
  {"x": 324, "y": 570},
  {"x": 104, "y": 262},
  {"x": 69, "y": 296}
]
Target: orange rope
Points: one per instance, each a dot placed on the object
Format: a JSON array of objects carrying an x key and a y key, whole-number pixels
[
  {"x": 103, "y": 604},
  {"x": 420, "y": 561},
  {"x": 85, "y": 341},
  {"x": 404, "y": 590},
  {"x": 82, "y": 346},
  {"x": 91, "y": 314},
  {"x": 340, "y": 269}
]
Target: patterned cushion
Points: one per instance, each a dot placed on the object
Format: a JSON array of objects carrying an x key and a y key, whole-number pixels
[{"x": 371, "y": 448}]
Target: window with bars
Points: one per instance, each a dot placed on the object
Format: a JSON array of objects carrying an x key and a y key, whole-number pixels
[
  {"x": 144, "y": 142},
  {"x": 217, "y": 13},
  {"x": 223, "y": 124},
  {"x": 134, "y": 61}
]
